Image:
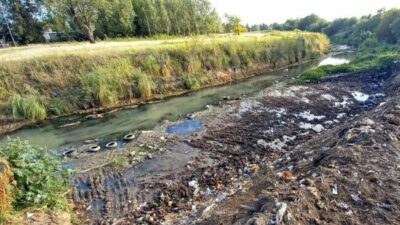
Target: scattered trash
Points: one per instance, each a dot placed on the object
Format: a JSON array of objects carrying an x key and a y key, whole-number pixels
[
  {"x": 254, "y": 168},
  {"x": 286, "y": 175},
  {"x": 356, "y": 199},
  {"x": 342, "y": 205},
  {"x": 334, "y": 189},
  {"x": 385, "y": 206},
  {"x": 129, "y": 137},
  {"x": 93, "y": 148},
  {"x": 29, "y": 215},
  {"x": 282, "y": 206},
  {"x": 112, "y": 144}
]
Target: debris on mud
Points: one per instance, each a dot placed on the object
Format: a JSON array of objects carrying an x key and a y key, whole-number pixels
[{"x": 316, "y": 153}]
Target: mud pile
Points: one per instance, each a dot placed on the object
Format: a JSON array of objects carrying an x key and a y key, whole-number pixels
[{"x": 262, "y": 160}]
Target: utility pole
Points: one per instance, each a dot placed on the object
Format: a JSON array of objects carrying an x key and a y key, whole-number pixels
[
  {"x": 9, "y": 31},
  {"x": 8, "y": 27}
]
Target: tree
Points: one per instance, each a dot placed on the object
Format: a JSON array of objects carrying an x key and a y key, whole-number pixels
[
  {"x": 79, "y": 14},
  {"x": 387, "y": 25},
  {"x": 116, "y": 19},
  {"x": 395, "y": 27},
  {"x": 312, "y": 22},
  {"x": 24, "y": 19},
  {"x": 146, "y": 17},
  {"x": 233, "y": 25}
]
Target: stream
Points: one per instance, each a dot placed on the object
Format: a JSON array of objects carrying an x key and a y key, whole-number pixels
[{"x": 147, "y": 116}]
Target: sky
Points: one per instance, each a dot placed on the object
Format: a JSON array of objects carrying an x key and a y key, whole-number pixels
[{"x": 270, "y": 11}]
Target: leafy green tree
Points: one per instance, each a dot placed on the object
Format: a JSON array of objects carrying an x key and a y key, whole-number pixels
[
  {"x": 163, "y": 22},
  {"x": 116, "y": 19},
  {"x": 79, "y": 15},
  {"x": 395, "y": 27},
  {"x": 312, "y": 23},
  {"x": 387, "y": 25},
  {"x": 24, "y": 19},
  {"x": 146, "y": 17},
  {"x": 233, "y": 25}
]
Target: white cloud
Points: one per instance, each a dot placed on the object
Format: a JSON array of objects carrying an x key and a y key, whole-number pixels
[{"x": 267, "y": 11}]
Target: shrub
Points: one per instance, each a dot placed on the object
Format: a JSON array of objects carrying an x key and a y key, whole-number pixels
[
  {"x": 5, "y": 195},
  {"x": 40, "y": 178},
  {"x": 191, "y": 82},
  {"x": 59, "y": 106},
  {"x": 144, "y": 84},
  {"x": 29, "y": 107},
  {"x": 150, "y": 64},
  {"x": 106, "y": 84}
]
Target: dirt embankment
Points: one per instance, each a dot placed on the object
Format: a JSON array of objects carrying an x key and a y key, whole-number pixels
[{"x": 317, "y": 153}]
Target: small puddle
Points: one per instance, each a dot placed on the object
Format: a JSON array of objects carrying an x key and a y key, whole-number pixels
[{"x": 185, "y": 127}]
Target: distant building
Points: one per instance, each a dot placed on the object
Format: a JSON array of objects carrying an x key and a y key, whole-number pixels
[
  {"x": 50, "y": 35},
  {"x": 3, "y": 43}
]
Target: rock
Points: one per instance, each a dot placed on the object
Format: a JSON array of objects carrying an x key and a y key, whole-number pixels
[
  {"x": 226, "y": 98},
  {"x": 367, "y": 122}
]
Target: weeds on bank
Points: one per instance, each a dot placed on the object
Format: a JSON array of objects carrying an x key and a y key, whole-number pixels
[
  {"x": 29, "y": 107},
  {"x": 60, "y": 84},
  {"x": 362, "y": 61}
]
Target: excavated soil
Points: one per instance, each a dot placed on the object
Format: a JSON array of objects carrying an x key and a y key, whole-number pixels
[{"x": 320, "y": 153}]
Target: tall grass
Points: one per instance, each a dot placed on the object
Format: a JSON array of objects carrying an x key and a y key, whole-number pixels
[
  {"x": 106, "y": 78},
  {"x": 144, "y": 84},
  {"x": 29, "y": 107}
]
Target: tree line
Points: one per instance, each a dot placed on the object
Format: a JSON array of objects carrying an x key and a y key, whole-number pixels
[
  {"x": 370, "y": 30},
  {"x": 91, "y": 19}
]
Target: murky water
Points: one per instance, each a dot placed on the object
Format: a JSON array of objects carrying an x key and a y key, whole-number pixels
[{"x": 148, "y": 116}]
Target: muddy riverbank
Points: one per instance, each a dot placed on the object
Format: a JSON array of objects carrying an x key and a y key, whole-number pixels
[{"x": 163, "y": 177}]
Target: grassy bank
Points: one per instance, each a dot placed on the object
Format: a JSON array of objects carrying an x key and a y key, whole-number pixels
[
  {"x": 365, "y": 59},
  {"x": 58, "y": 81}
]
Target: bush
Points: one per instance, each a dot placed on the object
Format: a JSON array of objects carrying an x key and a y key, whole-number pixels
[
  {"x": 59, "y": 106},
  {"x": 144, "y": 84},
  {"x": 150, "y": 64},
  {"x": 29, "y": 107},
  {"x": 5, "y": 195},
  {"x": 106, "y": 84},
  {"x": 191, "y": 82},
  {"x": 40, "y": 178}
]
